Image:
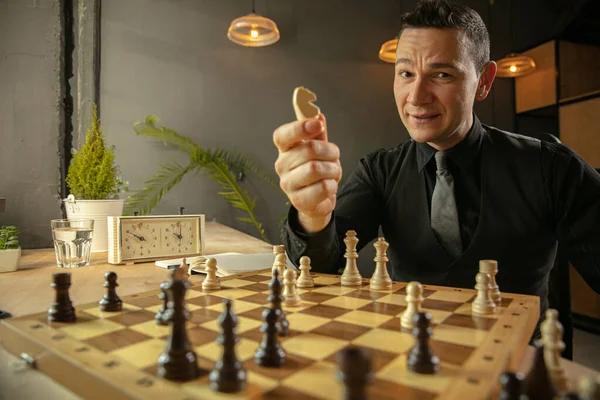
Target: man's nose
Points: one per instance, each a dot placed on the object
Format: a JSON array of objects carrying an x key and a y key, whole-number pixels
[{"x": 419, "y": 92}]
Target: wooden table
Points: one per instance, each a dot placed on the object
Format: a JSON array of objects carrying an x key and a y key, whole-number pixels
[{"x": 28, "y": 291}]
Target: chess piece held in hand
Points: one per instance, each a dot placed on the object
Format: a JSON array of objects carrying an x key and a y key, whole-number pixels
[
  {"x": 211, "y": 281},
  {"x": 111, "y": 301},
  {"x": 305, "y": 280},
  {"x": 414, "y": 298},
  {"x": 351, "y": 276},
  {"x": 229, "y": 375},
  {"x": 381, "y": 279},
  {"x": 62, "y": 309}
]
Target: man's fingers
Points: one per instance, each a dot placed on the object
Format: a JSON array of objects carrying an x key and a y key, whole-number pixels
[
  {"x": 310, "y": 173},
  {"x": 288, "y": 135},
  {"x": 309, "y": 150},
  {"x": 308, "y": 197}
]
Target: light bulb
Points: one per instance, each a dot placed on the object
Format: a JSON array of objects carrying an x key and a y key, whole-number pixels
[
  {"x": 513, "y": 68},
  {"x": 254, "y": 33}
]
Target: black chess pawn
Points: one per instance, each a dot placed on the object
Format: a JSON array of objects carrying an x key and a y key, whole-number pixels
[
  {"x": 178, "y": 362},
  {"x": 421, "y": 358},
  {"x": 269, "y": 352},
  {"x": 229, "y": 375},
  {"x": 354, "y": 370},
  {"x": 276, "y": 298},
  {"x": 159, "y": 317},
  {"x": 511, "y": 384},
  {"x": 538, "y": 383},
  {"x": 110, "y": 301},
  {"x": 62, "y": 309}
]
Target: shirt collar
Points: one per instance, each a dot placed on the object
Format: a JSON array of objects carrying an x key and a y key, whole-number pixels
[{"x": 463, "y": 153}]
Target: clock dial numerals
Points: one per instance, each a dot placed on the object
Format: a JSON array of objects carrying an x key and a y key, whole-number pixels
[
  {"x": 178, "y": 237},
  {"x": 140, "y": 239}
]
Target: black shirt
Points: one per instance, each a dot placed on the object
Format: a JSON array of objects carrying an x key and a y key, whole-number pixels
[{"x": 568, "y": 208}]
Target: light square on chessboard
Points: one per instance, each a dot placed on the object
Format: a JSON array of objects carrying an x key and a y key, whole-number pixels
[
  {"x": 314, "y": 346},
  {"x": 189, "y": 306},
  {"x": 244, "y": 324},
  {"x": 326, "y": 280},
  {"x": 257, "y": 384},
  {"x": 305, "y": 322},
  {"x": 88, "y": 329},
  {"x": 152, "y": 329},
  {"x": 459, "y": 335},
  {"x": 203, "y": 315},
  {"x": 235, "y": 283},
  {"x": 364, "y": 318},
  {"x": 386, "y": 340},
  {"x": 302, "y": 306},
  {"x": 233, "y": 293},
  {"x": 396, "y": 371},
  {"x": 466, "y": 309},
  {"x": 292, "y": 364},
  {"x": 143, "y": 354},
  {"x": 244, "y": 349},
  {"x": 95, "y": 310},
  {"x": 132, "y": 317},
  {"x": 457, "y": 296},
  {"x": 437, "y": 316},
  {"x": 394, "y": 298},
  {"x": 335, "y": 290},
  {"x": 317, "y": 380},
  {"x": 237, "y": 306},
  {"x": 351, "y": 303}
]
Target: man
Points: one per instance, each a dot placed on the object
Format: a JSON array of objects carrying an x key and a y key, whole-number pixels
[{"x": 458, "y": 191}]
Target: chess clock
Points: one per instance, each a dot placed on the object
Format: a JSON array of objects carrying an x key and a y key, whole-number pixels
[{"x": 154, "y": 237}]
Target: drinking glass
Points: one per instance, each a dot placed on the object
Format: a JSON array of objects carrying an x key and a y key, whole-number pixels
[{"x": 72, "y": 241}]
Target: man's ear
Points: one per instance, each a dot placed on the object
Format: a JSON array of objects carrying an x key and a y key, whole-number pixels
[{"x": 485, "y": 80}]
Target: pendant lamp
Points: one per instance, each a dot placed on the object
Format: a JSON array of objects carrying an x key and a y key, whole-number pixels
[
  {"x": 514, "y": 65},
  {"x": 387, "y": 52},
  {"x": 253, "y": 30}
]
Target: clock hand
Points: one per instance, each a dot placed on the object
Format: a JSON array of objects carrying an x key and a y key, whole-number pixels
[
  {"x": 140, "y": 238},
  {"x": 178, "y": 236}
]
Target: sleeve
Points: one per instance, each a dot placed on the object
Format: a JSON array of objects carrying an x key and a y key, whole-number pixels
[
  {"x": 573, "y": 188},
  {"x": 358, "y": 207}
]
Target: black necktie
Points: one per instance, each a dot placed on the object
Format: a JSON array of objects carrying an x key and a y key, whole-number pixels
[{"x": 444, "y": 214}]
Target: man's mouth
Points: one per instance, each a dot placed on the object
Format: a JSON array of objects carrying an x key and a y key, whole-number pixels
[{"x": 424, "y": 117}]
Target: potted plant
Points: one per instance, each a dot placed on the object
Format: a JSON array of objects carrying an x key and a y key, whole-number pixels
[
  {"x": 10, "y": 251},
  {"x": 94, "y": 183},
  {"x": 224, "y": 167}
]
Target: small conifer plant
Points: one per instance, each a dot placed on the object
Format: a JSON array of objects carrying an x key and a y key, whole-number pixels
[{"x": 92, "y": 174}]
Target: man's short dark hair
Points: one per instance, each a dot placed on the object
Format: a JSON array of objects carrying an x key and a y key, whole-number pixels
[{"x": 445, "y": 14}]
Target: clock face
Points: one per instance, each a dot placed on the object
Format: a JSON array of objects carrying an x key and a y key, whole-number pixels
[{"x": 158, "y": 237}]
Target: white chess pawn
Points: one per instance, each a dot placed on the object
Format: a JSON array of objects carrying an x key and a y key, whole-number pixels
[
  {"x": 290, "y": 295},
  {"x": 381, "y": 279},
  {"x": 414, "y": 298},
  {"x": 305, "y": 280},
  {"x": 280, "y": 264},
  {"x": 211, "y": 282},
  {"x": 483, "y": 303},
  {"x": 351, "y": 276},
  {"x": 183, "y": 272},
  {"x": 491, "y": 267},
  {"x": 552, "y": 333}
]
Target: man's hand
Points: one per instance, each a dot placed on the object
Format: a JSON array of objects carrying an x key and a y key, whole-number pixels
[{"x": 309, "y": 169}]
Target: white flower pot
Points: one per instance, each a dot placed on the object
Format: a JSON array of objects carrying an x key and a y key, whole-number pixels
[
  {"x": 98, "y": 210},
  {"x": 9, "y": 259}
]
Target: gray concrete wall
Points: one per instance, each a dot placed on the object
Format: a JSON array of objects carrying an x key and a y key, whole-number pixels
[
  {"x": 30, "y": 118},
  {"x": 173, "y": 59}
]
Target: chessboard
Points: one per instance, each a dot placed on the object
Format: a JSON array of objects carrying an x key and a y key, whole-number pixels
[{"x": 114, "y": 355}]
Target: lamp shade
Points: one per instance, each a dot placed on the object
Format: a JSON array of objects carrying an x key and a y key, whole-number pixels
[
  {"x": 387, "y": 52},
  {"x": 514, "y": 65},
  {"x": 253, "y": 30}
]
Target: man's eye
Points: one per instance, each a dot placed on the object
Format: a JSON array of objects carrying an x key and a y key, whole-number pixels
[
  {"x": 405, "y": 74},
  {"x": 442, "y": 75}
]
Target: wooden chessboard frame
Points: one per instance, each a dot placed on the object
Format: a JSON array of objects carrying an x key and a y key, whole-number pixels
[{"x": 84, "y": 370}]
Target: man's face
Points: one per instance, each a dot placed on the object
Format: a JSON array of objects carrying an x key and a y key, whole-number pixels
[{"x": 435, "y": 84}]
